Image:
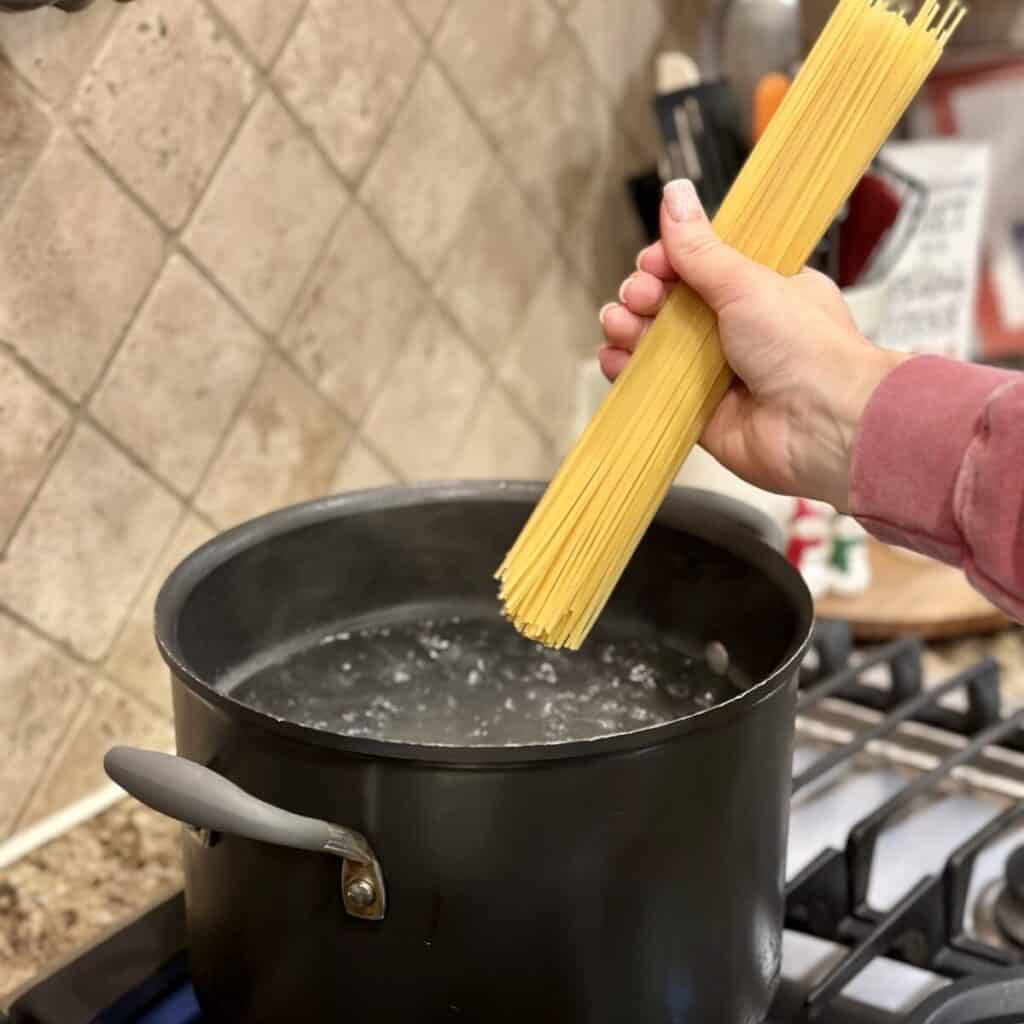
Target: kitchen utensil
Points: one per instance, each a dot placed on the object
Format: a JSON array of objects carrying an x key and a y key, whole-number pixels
[
  {"x": 768, "y": 96},
  {"x": 743, "y": 40},
  {"x": 699, "y": 127},
  {"x": 635, "y": 876}
]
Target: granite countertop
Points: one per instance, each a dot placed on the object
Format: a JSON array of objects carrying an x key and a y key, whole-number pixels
[{"x": 102, "y": 873}]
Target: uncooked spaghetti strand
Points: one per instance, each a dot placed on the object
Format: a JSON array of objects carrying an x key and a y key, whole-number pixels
[{"x": 857, "y": 80}]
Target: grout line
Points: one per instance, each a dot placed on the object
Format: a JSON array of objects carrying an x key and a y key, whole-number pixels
[
  {"x": 57, "y": 751},
  {"x": 30, "y": 171},
  {"x": 98, "y": 48},
  {"x": 143, "y": 586},
  {"x": 105, "y": 676},
  {"x": 354, "y": 183},
  {"x": 554, "y": 231},
  {"x": 218, "y": 448}
]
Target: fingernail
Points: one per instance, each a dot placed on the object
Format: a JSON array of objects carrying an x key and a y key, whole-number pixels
[
  {"x": 639, "y": 257},
  {"x": 682, "y": 200},
  {"x": 622, "y": 288},
  {"x": 603, "y": 311}
]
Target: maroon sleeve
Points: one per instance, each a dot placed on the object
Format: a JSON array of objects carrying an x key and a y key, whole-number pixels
[{"x": 938, "y": 466}]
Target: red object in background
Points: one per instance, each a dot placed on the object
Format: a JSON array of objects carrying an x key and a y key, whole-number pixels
[
  {"x": 871, "y": 212},
  {"x": 996, "y": 337}
]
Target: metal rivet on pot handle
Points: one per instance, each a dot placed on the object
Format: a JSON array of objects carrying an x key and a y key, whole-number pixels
[{"x": 202, "y": 799}]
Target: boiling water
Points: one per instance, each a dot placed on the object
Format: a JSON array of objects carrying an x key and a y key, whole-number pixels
[{"x": 473, "y": 681}]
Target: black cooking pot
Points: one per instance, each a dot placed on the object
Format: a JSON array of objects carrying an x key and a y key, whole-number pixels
[{"x": 637, "y": 877}]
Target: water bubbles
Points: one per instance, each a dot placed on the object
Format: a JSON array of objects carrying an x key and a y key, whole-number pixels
[
  {"x": 678, "y": 691},
  {"x": 546, "y": 673},
  {"x": 473, "y": 680},
  {"x": 717, "y": 658}
]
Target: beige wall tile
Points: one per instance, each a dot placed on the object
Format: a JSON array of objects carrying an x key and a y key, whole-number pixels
[
  {"x": 176, "y": 382},
  {"x": 110, "y": 718},
  {"x": 24, "y": 129},
  {"x": 161, "y": 101},
  {"x": 495, "y": 78},
  {"x": 86, "y": 545},
  {"x": 560, "y": 329},
  {"x": 31, "y": 426},
  {"x": 427, "y": 172},
  {"x": 360, "y": 468},
  {"x": 263, "y": 25},
  {"x": 268, "y": 211},
  {"x": 41, "y": 690},
  {"x": 426, "y": 13},
  {"x": 494, "y": 265},
  {"x": 345, "y": 70},
  {"x": 76, "y": 256},
  {"x": 284, "y": 448},
  {"x": 421, "y": 415},
  {"x": 560, "y": 134},
  {"x": 501, "y": 444},
  {"x": 355, "y": 314},
  {"x": 622, "y": 41},
  {"x": 52, "y": 50},
  {"x": 134, "y": 660},
  {"x": 607, "y": 234}
]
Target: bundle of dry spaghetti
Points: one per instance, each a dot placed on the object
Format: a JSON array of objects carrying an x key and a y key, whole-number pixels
[{"x": 855, "y": 85}]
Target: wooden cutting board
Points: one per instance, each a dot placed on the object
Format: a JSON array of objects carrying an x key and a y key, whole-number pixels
[{"x": 910, "y": 595}]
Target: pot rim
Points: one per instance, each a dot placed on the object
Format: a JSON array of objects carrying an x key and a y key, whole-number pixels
[{"x": 678, "y": 512}]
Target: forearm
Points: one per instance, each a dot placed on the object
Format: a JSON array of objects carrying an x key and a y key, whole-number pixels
[{"x": 936, "y": 466}]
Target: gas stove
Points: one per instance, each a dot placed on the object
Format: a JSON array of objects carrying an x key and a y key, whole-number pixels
[{"x": 905, "y": 884}]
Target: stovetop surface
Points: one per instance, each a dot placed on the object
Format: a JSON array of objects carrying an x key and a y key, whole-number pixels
[{"x": 907, "y": 802}]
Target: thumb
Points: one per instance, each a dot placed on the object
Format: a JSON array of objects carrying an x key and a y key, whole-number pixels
[{"x": 716, "y": 272}]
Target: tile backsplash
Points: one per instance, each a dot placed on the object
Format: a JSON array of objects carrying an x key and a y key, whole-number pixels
[{"x": 257, "y": 251}]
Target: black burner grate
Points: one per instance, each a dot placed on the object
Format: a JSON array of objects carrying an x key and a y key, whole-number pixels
[{"x": 828, "y": 899}]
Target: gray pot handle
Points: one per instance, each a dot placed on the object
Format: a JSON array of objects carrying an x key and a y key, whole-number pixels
[{"x": 204, "y": 800}]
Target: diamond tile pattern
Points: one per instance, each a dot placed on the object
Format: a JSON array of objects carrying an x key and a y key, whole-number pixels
[
  {"x": 32, "y": 424},
  {"x": 495, "y": 77},
  {"x": 355, "y": 314},
  {"x": 161, "y": 101},
  {"x": 427, "y": 171},
  {"x": 426, "y": 13},
  {"x": 498, "y": 229},
  {"x": 40, "y": 692},
  {"x": 134, "y": 660},
  {"x": 193, "y": 357},
  {"x": 268, "y": 211},
  {"x": 283, "y": 448},
  {"x": 501, "y": 444},
  {"x": 345, "y": 70},
  {"x": 84, "y": 548},
  {"x": 257, "y": 251},
  {"x": 360, "y": 468},
  {"x": 423, "y": 410},
  {"x": 263, "y": 25},
  {"x": 52, "y": 50},
  {"x": 559, "y": 330},
  {"x": 24, "y": 129},
  {"x": 109, "y": 717},
  {"x": 560, "y": 134},
  {"x": 62, "y": 306}
]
